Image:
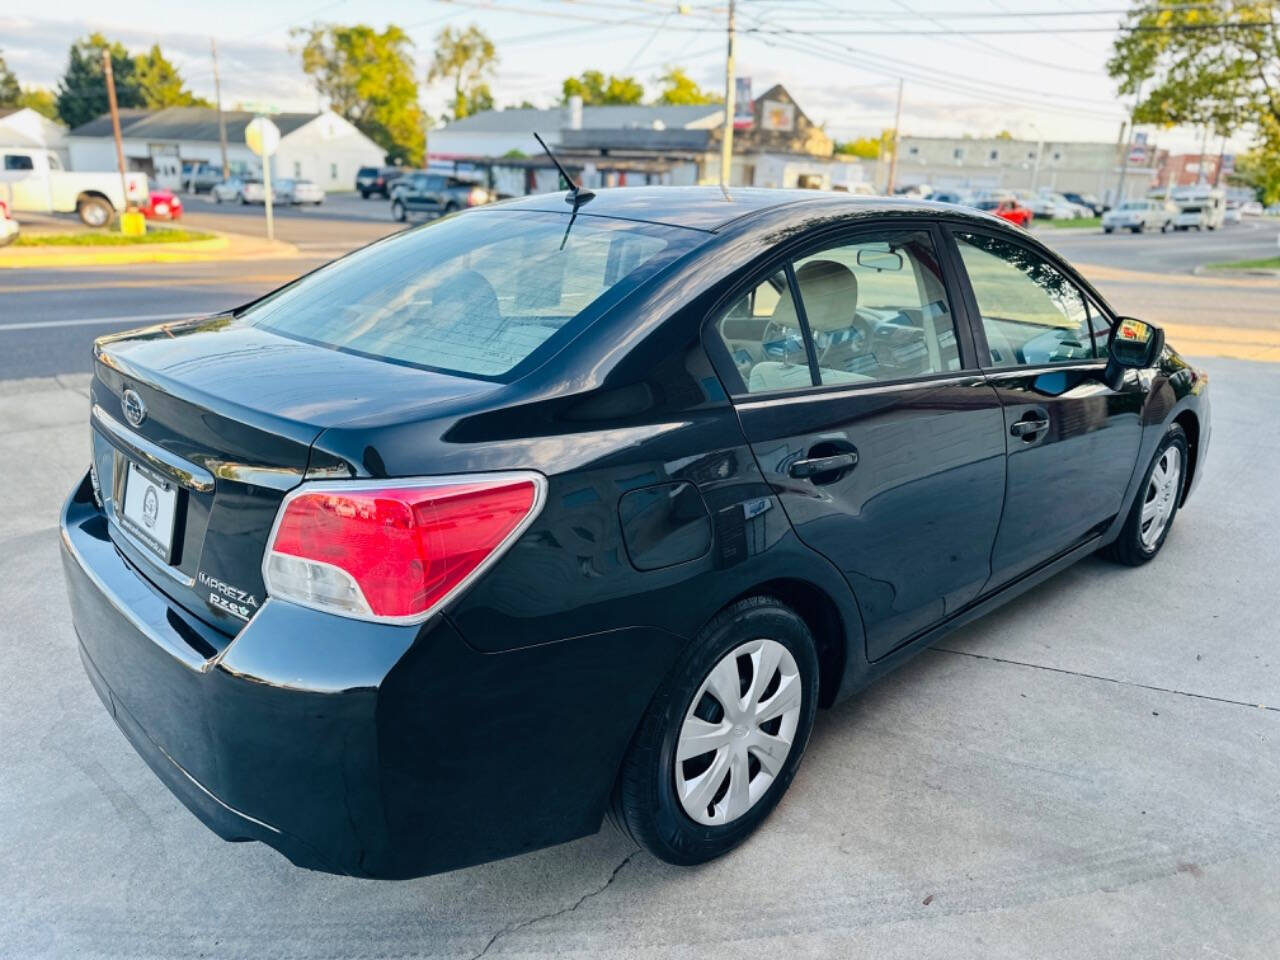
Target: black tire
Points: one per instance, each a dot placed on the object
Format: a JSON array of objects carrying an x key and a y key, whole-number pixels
[
  {"x": 450, "y": 207},
  {"x": 645, "y": 804},
  {"x": 1128, "y": 547},
  {"x": 1108, "y": 229},
  {"x": 1137, "y": 229},
  {"x": 95, "y": 212},
  {"x": 364, "y": 194},
  {"x": 398, "y": 212}
]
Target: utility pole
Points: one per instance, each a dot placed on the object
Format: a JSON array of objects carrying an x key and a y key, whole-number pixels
[
  {"x": 1204, "y": 148},
  {"x": 1222, "y": 154},
  {"x": 1128, "y": 147},
  {"x": 222, "y": 123},
  {"x": 115, "y": 124},
  {"x": 726, "y": 140},
  {"x": 893, "y": 158}
]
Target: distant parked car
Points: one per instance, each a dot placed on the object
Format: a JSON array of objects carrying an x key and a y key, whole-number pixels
[
  {"x": 228, "y": 191},
  {"x": 1251, "y": 209},
  {"x": 162, "y": 203},
  {"x": 947, "y": 196},
  {"x": 1233, "y": 213},
  {"x": 1054, "y": 206},
  {"x": 371, "y": 180},
  {"x": 201, "y": 177},
  {"x": 1140, "y": 215},
  {"x": 8, "y": 226},
  {"x": 254, "y": 191},
  {"x": 1008, "y": 209},
  {"x": 434, "y": 193},
  {"x": 1087, "y": 201},
  {"x": 299, "y": 191}
]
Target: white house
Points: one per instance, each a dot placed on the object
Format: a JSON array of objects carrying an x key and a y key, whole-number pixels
[
  {"x": 24, "y": 127},
  {"x": 322, "y": 147}
]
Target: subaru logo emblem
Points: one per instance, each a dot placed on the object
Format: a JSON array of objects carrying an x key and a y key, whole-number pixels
[{"x": 135, "y": 411}]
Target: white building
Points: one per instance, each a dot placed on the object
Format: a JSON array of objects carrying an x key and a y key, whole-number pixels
[
  {"x": 322, "y": 147},
  {"x": 24, "y": 127},
  {"x": 992, "y": 163}
]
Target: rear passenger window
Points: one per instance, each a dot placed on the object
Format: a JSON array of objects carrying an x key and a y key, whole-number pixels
[
  {"x": 761, "y": 331},
  {"x": 1031, "y": 313},
  {"x": 876, "y": 310},
  {"x": 13, "y": 161}
]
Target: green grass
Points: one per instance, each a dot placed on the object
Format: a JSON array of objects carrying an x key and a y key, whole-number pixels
[
  {"x": 109, "y": 238},
  {"x": 1075, "y": 222},
  {"x": 1270, "y": 263}
]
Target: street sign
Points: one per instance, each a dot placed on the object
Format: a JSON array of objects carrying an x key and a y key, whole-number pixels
[{"x": 262, "y": 136}]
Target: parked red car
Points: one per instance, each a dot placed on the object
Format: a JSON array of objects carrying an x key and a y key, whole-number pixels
[
  {"x": 162, "y": 203},
  {"x": 1009, "y": 209}
]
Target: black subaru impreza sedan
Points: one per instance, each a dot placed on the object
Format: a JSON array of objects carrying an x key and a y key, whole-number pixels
[{"x": 549, "y": 511}]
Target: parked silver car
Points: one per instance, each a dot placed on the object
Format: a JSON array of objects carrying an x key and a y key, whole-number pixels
[
  {"x": 292, "y": 190},
  {"x": 227, "y": 191}
]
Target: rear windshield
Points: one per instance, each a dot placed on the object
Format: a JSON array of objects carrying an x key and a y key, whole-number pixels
[
  {"x": 477, "y": 294},
  {"x": 367, "y": 172}
]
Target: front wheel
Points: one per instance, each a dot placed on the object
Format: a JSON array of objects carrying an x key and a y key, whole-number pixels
[
  {"x": 722, "y": 739},
  {"x": 94, "y": 212},
  {"x": 1166, "y": 226},
  {"x": 398, "y": 212},
  {"x": 1108, "y": 229},
  {"x": 1153, "y": 510}
]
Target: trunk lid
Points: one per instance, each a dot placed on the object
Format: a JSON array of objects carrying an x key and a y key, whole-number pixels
[{"x": 220, "y": 418}]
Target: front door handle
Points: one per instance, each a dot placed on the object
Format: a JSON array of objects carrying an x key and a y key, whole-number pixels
[
  {"x": 1029, "y": 426},
  {"x": 814, "y": 466}
]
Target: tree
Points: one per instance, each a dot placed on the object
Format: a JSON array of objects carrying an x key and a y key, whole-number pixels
[
  {"x": 40, "y": 100},
  {"x": 161, "y": 84},
  {"x": 1260, "y": 167},
  {"x": 82, "y": 91},
  {"x": 596, "y": 89},
  {"x": 868, "y": 148},
  {"x": 1200, "y": 62},
  {"x": 467, "y": 58},
  {"x": 369, "y": 78},
  {"x": 679, "y": 89},
  {"x": 9, "y": 89}
]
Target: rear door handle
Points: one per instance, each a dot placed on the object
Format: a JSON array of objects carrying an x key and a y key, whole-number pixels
[
  {"x": 1028, "y": 426},
  {"x": 816, "y": 465}
]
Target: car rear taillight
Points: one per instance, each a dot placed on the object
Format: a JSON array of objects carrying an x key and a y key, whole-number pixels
[
  {"x": 4, "y": 210},
  {"x": 476, "y": 196},
  {"x": 395, "y": 550}
]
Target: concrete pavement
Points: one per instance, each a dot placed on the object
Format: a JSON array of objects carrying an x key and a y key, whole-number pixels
[{"x": 1091, "y": 772}]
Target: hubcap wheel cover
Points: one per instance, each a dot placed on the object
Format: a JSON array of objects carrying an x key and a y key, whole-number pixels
[
  {"x": 723, "y": 766},
  {"x": 1161, "y": 497}
]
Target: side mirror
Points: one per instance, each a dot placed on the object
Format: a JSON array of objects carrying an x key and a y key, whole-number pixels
[{"x": 1134, "y": 344}]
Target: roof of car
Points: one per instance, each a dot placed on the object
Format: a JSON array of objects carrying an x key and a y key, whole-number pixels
[{"x": 711, "y": 208}]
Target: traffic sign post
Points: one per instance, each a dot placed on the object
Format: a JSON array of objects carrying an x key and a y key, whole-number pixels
[{"x": 263, "y": 137}]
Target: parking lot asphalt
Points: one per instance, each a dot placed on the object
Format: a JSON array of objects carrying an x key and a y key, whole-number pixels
[{"x": 1091, "y": 772}]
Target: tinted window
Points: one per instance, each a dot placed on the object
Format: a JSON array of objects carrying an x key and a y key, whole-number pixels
[
  {"x": 15, "y": 161},
  {"x": 1031, "y": 313},
  {"x": 367, "y": 172},
  {"x": 877, "y": 309},
  {"x": 475, "y": 294}
]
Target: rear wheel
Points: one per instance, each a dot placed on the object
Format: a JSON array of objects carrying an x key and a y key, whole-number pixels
[
  {"x": 1153, "y": 510},
  {"x": 722, "y": 739},
  {"x": 94, "y": 212},
  {"x": 1108, "y": 229},
  {"x": 364, "y": 194}
]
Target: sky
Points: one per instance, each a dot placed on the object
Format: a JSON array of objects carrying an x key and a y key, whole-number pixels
[{"x": 1030, "y": 67}]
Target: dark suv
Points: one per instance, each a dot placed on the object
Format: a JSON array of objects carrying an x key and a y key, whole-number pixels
[
  {"x": 371, "y": 180},
  {"x": 435, "y": 194}
]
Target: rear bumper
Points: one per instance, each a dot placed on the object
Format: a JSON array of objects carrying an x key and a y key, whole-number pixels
[{"x": 365, "y": 749}]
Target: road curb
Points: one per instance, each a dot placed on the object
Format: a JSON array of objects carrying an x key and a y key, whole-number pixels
[{"x": 222, "y": 246}]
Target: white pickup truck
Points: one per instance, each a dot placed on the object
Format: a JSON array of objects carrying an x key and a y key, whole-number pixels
[{"x": 33, "y": 181}]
